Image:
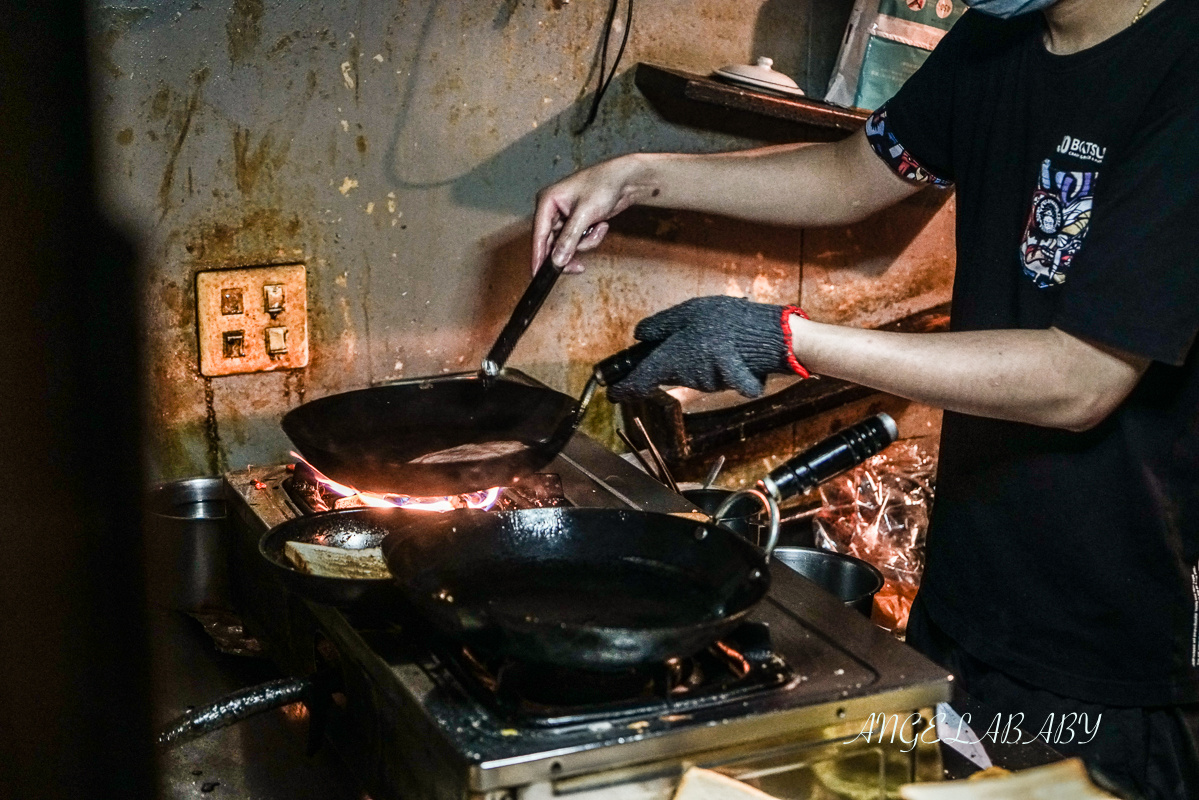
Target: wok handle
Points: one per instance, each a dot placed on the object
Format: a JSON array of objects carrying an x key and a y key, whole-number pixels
[
  {"x": 768, "y": 502},
  {"x": 829, "y": 458},
  {"x": 526, "y": 308},
  {"x": 612, "y": 369},
  {"x": 616, "y": 368}
]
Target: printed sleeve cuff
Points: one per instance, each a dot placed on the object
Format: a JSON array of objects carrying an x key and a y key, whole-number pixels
[{"x": 895, "y": 155}]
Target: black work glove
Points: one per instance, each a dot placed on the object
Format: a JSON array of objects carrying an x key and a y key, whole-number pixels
[{"x": 710, "y": 344}]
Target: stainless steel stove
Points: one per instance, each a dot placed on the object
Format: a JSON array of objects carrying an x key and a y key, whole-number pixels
[{"x": 782, "y": 705}]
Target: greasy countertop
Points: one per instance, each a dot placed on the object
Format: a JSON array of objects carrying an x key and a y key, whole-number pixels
[{"x": 262, "y": 758}]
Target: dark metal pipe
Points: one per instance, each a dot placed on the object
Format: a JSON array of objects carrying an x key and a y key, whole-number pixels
[
  {"x": 667, "y": 478},
  {"x": 645, "y": 465},
  {"x": 234, "y": 708}
]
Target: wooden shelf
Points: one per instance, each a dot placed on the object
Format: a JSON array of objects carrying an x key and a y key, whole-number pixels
[{"x": 672, "y": 91}]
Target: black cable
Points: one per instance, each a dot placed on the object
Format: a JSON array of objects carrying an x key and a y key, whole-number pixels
[{"x": 602, "y": 86}]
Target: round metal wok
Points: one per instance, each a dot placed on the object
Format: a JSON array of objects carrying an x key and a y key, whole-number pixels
[
  {"x": 603, "y": 589},
  {"x": 349, "y": 529},
  {"x": 582, "y": 588},
  {"x": 381, "y": 439},
  {"x": 451, "y": 434},
  {"x": 446, "y": 435}
]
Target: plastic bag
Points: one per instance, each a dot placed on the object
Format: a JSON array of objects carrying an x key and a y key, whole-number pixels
[
  {"x": 885, "y": 42},
  {"x": 879, "y": 513}
]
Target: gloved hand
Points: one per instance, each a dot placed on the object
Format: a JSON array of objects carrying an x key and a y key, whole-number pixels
[{"x": 710, "y": 344}]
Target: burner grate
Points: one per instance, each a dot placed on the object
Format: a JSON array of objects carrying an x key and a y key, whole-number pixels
[{"x": 544, "y": 696}]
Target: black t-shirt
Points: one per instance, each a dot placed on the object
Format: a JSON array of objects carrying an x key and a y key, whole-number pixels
[{"x": 1068, "y": 559}]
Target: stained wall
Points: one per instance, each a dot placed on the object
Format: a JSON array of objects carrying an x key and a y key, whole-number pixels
[{"x": 396, "y": 147}]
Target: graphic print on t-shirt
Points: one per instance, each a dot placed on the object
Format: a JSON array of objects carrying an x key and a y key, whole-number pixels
[{"x": 1057, "y": 223}]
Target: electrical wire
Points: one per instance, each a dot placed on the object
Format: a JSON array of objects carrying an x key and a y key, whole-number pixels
[{"x": 605, "y": 77}]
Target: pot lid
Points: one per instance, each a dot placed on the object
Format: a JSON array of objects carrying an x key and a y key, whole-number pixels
[{"x": 761, "y": 75}]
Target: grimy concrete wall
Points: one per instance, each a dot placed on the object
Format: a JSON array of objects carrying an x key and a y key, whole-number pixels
[{"x": 396, "y": 147}]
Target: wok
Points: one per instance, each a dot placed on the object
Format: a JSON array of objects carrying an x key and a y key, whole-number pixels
[
  {"x": 603, "y": 589},
  {"x": 349, "y": 529},
  {"x": 446, "y": 435},
  {"x": 583, "y": 588},
  {"x": 451, "y": 434}
]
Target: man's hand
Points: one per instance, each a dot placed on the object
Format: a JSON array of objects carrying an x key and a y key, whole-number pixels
[
  {"x": 709, "y": 343},
  {"x": 572, "y": 214},
  {"x": 1040, "y": 377}
]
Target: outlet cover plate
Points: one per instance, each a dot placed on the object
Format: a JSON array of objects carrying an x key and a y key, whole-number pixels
[{"x": 216, "y": 293}]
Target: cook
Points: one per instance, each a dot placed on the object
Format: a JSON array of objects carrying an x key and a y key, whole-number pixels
[{"x": 1061, "y": 570}]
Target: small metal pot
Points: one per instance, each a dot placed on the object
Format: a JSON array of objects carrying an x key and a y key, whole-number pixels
[
  {"x": 186, "y": 546},
  {"x": 851, "y": 580},
  {"x": 744, "y": 518}
]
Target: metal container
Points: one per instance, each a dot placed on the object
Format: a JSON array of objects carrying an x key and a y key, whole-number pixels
[
  {"x": 186, "y": 545},
  {"x": 744, "y": 518},
  {"x": 850, "y": 579}
]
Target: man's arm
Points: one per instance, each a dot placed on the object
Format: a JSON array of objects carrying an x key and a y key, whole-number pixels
[
  {"x": 1040, "y": 377},
  {"x": 802, "y": 185}
]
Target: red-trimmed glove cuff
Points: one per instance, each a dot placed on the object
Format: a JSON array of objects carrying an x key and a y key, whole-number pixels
[{"x": 792, "y": 361}]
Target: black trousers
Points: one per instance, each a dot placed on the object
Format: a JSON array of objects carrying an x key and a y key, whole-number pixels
[{"x": 1145, "y": 753}]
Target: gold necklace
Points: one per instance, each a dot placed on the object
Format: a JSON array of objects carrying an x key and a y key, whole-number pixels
[{"x": 1141, "y": 13}]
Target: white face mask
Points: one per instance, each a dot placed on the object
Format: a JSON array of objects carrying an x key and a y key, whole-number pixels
[{"x": 1005, "y": 9}]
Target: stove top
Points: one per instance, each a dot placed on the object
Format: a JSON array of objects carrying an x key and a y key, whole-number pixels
[
  {"x": 544, "y": 696},
  {"x": 803, "y": 666}
]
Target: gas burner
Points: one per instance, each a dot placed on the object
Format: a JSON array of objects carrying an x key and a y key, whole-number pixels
[
  {"x": 312, "y": 493},
  {"x": 545, "y": 696}
]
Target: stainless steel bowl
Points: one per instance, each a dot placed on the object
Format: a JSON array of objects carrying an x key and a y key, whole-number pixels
[{"x": 849, "y": 579}]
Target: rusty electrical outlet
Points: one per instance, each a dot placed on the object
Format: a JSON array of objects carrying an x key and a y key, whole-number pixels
[{"x": 252, "y": 319}]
